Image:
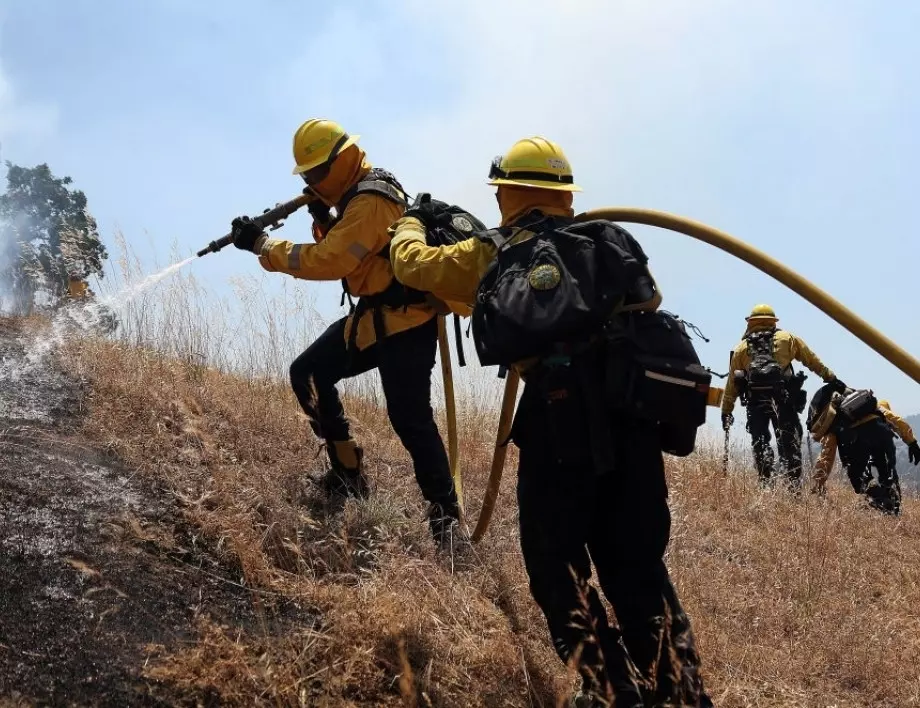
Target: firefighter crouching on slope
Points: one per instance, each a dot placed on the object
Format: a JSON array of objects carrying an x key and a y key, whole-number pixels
[
  {"x": 571, "y": 513},
  {"x": 384, "y": 330},
  {"x": 864, "y": 433},
  {"x": 761, "y": 373}
]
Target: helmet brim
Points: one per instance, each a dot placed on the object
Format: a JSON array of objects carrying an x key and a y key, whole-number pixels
[{"x": 534, "y": 183}]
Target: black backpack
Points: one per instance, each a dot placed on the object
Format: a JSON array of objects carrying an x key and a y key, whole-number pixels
[
  {"x": 553, "y": 284},
  {"x": 445, "y": 224},
  {"x": 852, "y": 406},
  {"x": 764, "y": 375},
  {"x": 654, "y": 373},
  {"x": 856, "y": 405}
]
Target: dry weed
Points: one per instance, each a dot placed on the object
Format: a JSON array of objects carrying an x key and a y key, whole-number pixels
[{"x": 795, "y": 601}]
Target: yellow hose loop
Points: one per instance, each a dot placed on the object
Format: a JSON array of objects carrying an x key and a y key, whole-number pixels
[
  {"x": 757, "y": 258},
  {"x": 509, "y": 399},
  {"x": 772, "y": 267},
  {"x": 451, "y": 407}
]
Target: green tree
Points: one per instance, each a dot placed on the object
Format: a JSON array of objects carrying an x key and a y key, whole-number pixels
[{"x": 46, "y": 234}]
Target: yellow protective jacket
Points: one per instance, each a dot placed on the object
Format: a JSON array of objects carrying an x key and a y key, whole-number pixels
[
  {"x": 349, "y": 249},
  {"x": 453, "y": 272},
  {"x": 828, "y": 455},
  {"x": 786, "y": 349}
]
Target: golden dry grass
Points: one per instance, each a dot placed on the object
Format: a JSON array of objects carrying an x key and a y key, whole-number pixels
[{"x": 795, "y": 602}]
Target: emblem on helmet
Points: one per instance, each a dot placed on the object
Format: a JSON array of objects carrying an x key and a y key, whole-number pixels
[{"x": 544, "y": 277}]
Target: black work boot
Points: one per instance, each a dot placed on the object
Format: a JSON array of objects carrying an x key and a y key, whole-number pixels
[
  {"x": 346, "y": 481},
  {"x": 444, "y": 522}
]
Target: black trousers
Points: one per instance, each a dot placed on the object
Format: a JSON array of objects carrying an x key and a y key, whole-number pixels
[
  {"x": 864, "y": 447},
  {"x": 405, "y": 361},
  {"x": 761, "y": 414},
  {"x": 570, "y": 514}
]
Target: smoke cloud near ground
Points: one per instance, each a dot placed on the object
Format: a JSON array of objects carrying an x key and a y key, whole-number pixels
[{"x": 10, "y": 256}]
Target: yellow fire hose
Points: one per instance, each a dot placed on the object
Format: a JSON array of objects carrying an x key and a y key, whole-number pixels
[
  {"x": 451, "y": 408},
  {"x": 772, "y": 267},
  {"x": 498, "y": 455},
  {"x": 757, "y": 258}
]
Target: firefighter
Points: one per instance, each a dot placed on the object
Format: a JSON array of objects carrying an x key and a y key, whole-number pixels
[
  {"x": 386, "y": 329},
  {"x": 865, "y": 440},
  {"x": 762, "y": 375},
  {"x": 570, "y": 514}
]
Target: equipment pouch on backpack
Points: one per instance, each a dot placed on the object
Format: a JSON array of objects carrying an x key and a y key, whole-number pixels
[
  {"x": 857, "y": 405},
  {"x": 552, "y": 285},
  {"x": 654, "y": 373}
]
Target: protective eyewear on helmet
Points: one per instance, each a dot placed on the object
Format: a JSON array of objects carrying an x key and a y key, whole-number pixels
[
  {"x": 496, "y": 172},
  {"x": 495, "y": 169}
]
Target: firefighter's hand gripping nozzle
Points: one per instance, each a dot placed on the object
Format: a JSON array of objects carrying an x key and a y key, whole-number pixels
[{"x": 270, "y": 219}]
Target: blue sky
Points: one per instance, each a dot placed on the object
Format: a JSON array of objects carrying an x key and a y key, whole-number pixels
[{"x": 790, "y": 125}]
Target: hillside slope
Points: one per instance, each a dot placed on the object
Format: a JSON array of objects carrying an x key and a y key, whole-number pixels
[
  {"x": 99, "y": 569},
  {"x": 796, "y": 602}
]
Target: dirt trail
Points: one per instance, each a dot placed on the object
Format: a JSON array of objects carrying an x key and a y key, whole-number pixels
[{"x": 95, "y": 564}]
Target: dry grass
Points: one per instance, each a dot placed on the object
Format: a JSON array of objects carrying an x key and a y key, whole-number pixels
[
  {"x": 795, "y": 602},
  {"x": 236, "y": 457}
]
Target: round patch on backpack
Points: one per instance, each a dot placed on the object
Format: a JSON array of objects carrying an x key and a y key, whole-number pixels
[
  {"x": 544, "y": 277},
  {"x": 461, "y": 223}
]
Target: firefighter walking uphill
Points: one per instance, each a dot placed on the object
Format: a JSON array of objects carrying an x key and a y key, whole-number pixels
[
  {"x": 862, "y": 429},
  {"x": 763, "y": 376}
]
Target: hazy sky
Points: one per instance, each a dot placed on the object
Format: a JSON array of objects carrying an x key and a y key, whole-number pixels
[{"x": 791, "y": 125}]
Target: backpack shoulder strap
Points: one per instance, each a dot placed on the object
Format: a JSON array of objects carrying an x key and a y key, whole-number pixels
[
  {"x": 499, "y": 237},
  {"x": 379, "y": 182}
]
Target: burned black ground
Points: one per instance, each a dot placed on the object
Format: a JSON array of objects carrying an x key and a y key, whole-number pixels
[{"x": 97, "y": 568}]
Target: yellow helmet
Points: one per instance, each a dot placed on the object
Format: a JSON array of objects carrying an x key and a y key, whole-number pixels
[
  {"x": 884, "y": 404},
  {"x": 317, "y": 142},
  {"x": 762, "y": 312},
  {"x": 534, "y": 162}
]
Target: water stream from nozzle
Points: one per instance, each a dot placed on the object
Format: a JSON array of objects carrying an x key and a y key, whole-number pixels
[
  {"x": 132, "y": 290},
  {"x": 76, "y": 318}
]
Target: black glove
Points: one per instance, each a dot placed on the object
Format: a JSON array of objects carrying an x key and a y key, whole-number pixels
[
  {"x": 245, "y": 233},
  {"x": 913, "y": 453},
  {"x": 838, "y": 385},
  {"x": 728, "y": 420},
  {"x": 320, "y": 212},
  {"x": 423, "y": 208}
]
